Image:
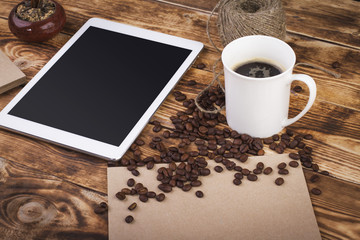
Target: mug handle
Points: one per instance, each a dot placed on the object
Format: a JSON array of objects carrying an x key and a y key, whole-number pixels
[{"x": 312, "y": 94}]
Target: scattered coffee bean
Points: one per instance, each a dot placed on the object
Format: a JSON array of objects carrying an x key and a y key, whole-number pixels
[
  {"x": 315, "y": 167},
  {"x": 143, "y": 198},
  {"x": 160, "y": 197},
  {"x": 201, "y": 66},
  {"x": 267, "y": 170},
  {"x": 281, "y": 165},
  {"x": 308, "y": 137},
  {"x": 283, "y": 171},
  {"x": 257, "y": 171},
  {"x": 238, "y": 176},
  {"x": 252, "y": 177},
  {"x": 316, "y": 191},
  {"x": 191, "y": 83},
  {"x": 129, "y": 219},
  {"x": 294, "y": 156},
  {"x": 151, "y": 194},
  {"x": 245, "y": 171},
  {"x": 218, "y": 169},
  {"x": 186, "y": 187},
  {"x": 293, "y": 164},
  {"x": 260, "y": 165},
  {"x": 135, "y": 172},
  {"x": 326, "y": 173},
  {"x": 132, "y": 206},
  {"x": 199, "y": 194},
  {"x": 120, "y": 195},
  {"x": 314, "y": 178},
  {"x": 100, "y": 210},
  {"x": 165, "y": 187},
  {"x": 335, "y": 64},
  {"x": 237, "y": 181},
  {"x": 297, "y": 89},
  {"x": 279, "y": 181},
  {"x": 131, "y": 182}
]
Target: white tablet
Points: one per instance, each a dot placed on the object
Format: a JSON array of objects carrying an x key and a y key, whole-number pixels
[{"x": 100, "y": 90}]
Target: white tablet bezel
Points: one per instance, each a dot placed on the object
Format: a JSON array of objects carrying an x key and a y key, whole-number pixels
[{"x": 85, "y": 144}]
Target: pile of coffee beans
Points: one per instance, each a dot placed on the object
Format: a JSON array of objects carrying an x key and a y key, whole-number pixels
[
  {"x": 206, "y": 136},
  {"x": 139, "y": 190}
]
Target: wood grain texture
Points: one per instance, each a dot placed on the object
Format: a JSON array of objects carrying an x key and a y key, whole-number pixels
[
  {"x": 331, "y": 20},
  {"x": 40, "y": 179},
  {"x": 35, "y": 205}
]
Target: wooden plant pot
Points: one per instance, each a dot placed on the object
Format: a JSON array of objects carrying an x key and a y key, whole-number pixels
[{"x": 37, "y": 31}]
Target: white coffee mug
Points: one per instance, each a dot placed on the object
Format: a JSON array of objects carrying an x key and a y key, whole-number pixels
[{"x": 259, "y": 106}]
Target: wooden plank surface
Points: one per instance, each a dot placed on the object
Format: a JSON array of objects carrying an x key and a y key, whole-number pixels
[{"x": 57, "y": 181}]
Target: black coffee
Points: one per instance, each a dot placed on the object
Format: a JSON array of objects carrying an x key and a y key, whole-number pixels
[{"x": 258, "y": 69}]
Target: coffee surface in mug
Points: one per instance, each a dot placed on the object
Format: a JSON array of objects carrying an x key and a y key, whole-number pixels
[{"x": 258, "y": 69}]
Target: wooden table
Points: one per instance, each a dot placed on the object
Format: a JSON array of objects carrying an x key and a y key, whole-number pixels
[{"x": 48, "y": 192}]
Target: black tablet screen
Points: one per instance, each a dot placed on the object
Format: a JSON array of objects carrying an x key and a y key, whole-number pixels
[{"x": 102, "y": 85}]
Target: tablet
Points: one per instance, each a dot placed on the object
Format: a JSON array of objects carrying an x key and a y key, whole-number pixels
[{"x": 102, "y": 87}]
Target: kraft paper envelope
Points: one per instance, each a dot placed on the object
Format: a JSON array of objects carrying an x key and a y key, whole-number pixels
[
  {"x": 252, "y": 210},
  {"x": 10, "y": 74}
]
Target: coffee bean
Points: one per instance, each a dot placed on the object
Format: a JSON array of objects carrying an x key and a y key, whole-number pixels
[
  {"x": 279, "y": 150},
  {"x": 297, "y": 89},
  {"x": 143, "y": 198},
  {"x": 314, "y": 178},
  {"x": 165, "y": 187},
  {"x": 129, "y": 219},
  {"x": 186, "y": 187},
  {"x": 316, "y": 191},
  {"x": 201, "y": 66},
  {"x": 293, "y": 144},
  {"x": 257, "y": 171},
  {"x": 243, "y": 158},
  {"x": 199, "y": 194},
  {"x": 281, "y": 165},
  {"x": 126, "y": 191},
  {"x": 238, "y": 175},
  {"x": 315, "y": 167},
  {"x": 279, "y": 181},
  {"x": 150, "y": 165},
  {"x": 204, "y": 172},
  {"x": 100, "y": 210},
  {"x": 151, "y": 194},
  {"x": 275, "y": 137},
  {"x": 326, "y": 173},
  {"x": 268, "y": 141},
  {"x": 238, "y": 168},
  {"x": 294, "y": 156},
  {"x": 293, "y": 164},
  {"x": 131, "y": 182},
  {"x": 283, "y": 171},
  {"x": 143, "y": 190},
  {"x": 237, "y": 181},
  {"x": 307, "y": 164},
  {"x": 267, "y": 170},
  {"x": 252, "y": 177},
  {"x": 120, "y": 195},
  {"x": 308, "y": 137},
  {"x": 196, "y": 183},
  {"x": 245, "y": 171},
  {"x": 191, "y": 82},
  {"x": 260, "y": 165},
  {"x": 132, "y": 206},
  {"x": 218, "y": 169},
  {"x": 135, "y": 172},
  {"x": 261, "y": 152},
  {"x": 160, "y": 197}
]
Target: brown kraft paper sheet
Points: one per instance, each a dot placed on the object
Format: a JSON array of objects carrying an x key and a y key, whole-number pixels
[{"x": 252, "y": 210}]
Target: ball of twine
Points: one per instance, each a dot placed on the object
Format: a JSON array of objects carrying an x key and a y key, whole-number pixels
[{"x": 238, "y": 18}]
